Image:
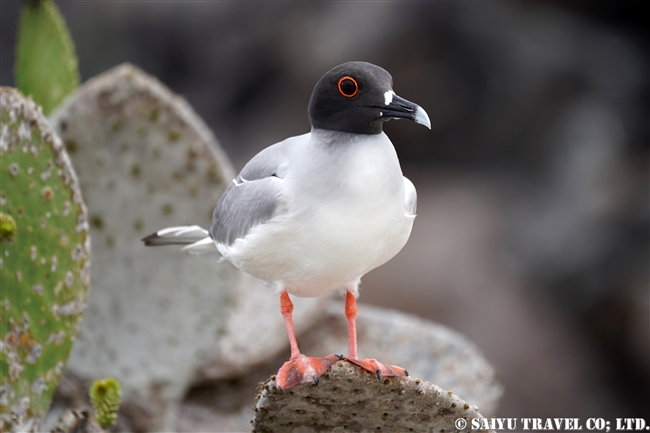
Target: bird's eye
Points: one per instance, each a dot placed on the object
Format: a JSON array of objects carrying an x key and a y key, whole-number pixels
[{"x": 348, "y": 87}]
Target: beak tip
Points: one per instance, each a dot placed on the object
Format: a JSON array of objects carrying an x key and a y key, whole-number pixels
[{"x": 422, "y": 117}]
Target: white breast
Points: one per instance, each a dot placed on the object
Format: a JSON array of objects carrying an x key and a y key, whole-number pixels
[{"x": 343, "y": 214}]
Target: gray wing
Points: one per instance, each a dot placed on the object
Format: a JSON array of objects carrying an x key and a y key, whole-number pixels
[{"x": 252, "y": 197}]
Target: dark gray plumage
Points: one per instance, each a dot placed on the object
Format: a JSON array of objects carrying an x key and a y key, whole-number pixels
[
  {"x": 366, "y": 107},
  {"x": 361, "y": 114}
]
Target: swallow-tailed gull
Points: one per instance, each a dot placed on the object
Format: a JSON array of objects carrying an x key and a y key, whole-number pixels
[{"x": 316, "y": 212}]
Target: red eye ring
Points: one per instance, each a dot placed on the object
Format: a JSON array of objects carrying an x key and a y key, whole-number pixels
[{"x": 356, "y": 86}]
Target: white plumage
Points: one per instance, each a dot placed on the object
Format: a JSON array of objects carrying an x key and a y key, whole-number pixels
[{"x": 341, "y": 212}]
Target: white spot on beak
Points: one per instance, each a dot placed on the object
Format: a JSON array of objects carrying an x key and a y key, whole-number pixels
[{"x": 388, "y": 97}]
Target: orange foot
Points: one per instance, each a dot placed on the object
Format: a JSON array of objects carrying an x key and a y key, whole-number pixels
[
  {"x": 302, "y": 369},
  {"x": 376, "y": 367}
]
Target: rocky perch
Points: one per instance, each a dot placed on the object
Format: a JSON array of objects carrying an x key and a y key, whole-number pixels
[{"x": 350, "y": 399}]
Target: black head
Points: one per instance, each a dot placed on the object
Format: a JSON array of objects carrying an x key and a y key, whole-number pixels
[{"x": 358, "y": 97}]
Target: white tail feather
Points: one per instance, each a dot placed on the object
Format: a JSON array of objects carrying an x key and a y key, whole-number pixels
[
  {"x": 205, "y": 245},
  {"x": 185, "y": 231},
  {"x": 196, "y": 239}
]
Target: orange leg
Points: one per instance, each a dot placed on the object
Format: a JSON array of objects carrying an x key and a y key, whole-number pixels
[
  {"x": 286, "y": 308},
  {"x": 299, "y": 368},
  {"x": 351, "y": 311},
  {"x": 371, "y": 365}
]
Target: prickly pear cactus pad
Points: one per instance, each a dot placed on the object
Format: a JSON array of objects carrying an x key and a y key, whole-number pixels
[
  {"x": 46, "y": 65},
  {"x": 426, "y": 349},
  {"x": 158, "y": 319},
  {"x": 429, "y": 351},
  {"x": 349, "y": 399},
  {"x": 44, "y": 262}
]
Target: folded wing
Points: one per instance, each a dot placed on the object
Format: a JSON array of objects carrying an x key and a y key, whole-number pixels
[{"x": 253, "y": 197}]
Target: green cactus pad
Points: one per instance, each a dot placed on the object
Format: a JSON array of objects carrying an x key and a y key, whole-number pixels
[
  {"x": 46, "y": 64},
  {"x": 44, "y": 262}
]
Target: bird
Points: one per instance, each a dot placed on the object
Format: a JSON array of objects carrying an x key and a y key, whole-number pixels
[{"x": 314, "y": 213}]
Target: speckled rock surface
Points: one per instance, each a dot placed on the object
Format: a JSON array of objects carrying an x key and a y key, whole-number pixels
[
  {"x": 158, "y": 319},
  {"x": 44, "y": 262},
  {"x": 351, "y": 399}
]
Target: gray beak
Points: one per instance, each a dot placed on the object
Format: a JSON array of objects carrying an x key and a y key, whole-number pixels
[{"x": 400, "y": 108}]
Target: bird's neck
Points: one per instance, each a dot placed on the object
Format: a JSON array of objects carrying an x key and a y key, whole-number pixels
[{"x": 330, "y": 138}]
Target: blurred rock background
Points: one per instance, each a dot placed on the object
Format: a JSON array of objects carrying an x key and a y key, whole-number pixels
[{"x": 532, "y": 233}]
